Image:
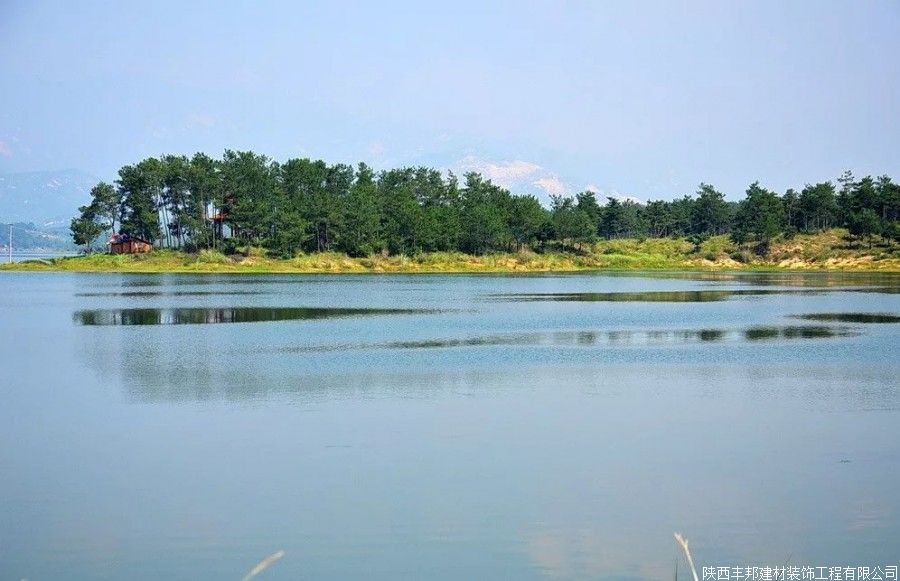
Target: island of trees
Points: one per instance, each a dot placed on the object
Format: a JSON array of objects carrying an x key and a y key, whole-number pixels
[{"x": 302, "y": 205}]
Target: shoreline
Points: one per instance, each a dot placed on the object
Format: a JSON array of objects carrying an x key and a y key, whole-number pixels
[
  {"x": 410, "y": 266},
  {"x": 829, "y": 251}
]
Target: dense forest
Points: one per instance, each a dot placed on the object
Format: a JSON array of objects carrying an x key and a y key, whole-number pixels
[{"x": 306, "y": 205}]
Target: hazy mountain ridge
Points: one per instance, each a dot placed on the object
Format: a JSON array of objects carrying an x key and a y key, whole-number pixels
[
  {"x": 45, "y": 199},
  {"x": 27, "y": 236}
]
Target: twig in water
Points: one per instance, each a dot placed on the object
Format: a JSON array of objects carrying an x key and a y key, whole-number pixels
[
  {"x": 263, "y": 565},
  {"x": 684, "y": 545}
]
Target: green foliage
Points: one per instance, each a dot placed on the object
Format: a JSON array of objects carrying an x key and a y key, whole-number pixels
[
  {"x": 697, "y": 241},
  {"x": 818, "y": 208},
  {"x": 141, "y": 187},
  {"x": 245, "y": 199},
  {"x": 571, "y": 223},
  {"x": 587, "y": 203},
  {"x": 888, "y": 199},
  {"x": 526, "y": 219},
  {"x": 100, "y": 216},
  {"x": 760, "y": 217},
  {"x": 361, "y": 234},
  {"x": 289, "y": 233},
  {"x": 85, "y": 228},
  {"x": 248, "y": 184},
  {"x": 892, "y": 232},
  {"x": 612, "y": 222},
  {"x": 864, "y": 223},
  {"x": 710, "y": 212},
  {"x": 485, "y": 213}
]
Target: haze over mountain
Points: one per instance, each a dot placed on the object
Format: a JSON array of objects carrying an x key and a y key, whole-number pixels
[
  {"x": 26, "y": 237},
  {"x": 44, "y": 198}
]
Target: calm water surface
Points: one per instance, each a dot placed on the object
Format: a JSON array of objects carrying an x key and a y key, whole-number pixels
[{"x": 445, "y": 427}]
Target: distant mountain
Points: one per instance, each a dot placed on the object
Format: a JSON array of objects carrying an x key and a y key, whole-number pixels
[
  {"x": 44, "y": 198},
  {"x": 28, "y": 237}
]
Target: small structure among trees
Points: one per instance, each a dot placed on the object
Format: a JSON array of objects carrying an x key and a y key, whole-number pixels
[{"x": 126, "y": 244}]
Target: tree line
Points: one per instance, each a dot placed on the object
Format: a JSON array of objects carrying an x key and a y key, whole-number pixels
[{"x": 305, "y": 205}]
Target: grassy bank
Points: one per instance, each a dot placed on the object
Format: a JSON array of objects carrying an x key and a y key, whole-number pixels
[{"x": 830, "y": 250}]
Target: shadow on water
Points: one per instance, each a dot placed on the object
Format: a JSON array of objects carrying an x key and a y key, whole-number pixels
[
  {"x": 203, "y": 316},
  {"x": 569, "y": 339},
  {"x": 626, "y": 337},
  {"x": 689, "y": 296},
  {"x": 685, "y": 296},
  {"x": 885, "y": 290},
  {"x": 850, "y": 317},
  {"x": 889, "y": 280},
  {"x": 797, "y": 332},
  {"x": 614, "y": 338}
]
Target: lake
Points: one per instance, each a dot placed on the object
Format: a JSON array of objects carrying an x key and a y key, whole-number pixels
[
  {"x": 30, "y": 255},
  {"x": 446, "y": 426}
]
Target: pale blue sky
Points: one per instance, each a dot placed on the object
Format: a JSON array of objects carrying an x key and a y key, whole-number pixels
[{"x": 640, "y": 98}]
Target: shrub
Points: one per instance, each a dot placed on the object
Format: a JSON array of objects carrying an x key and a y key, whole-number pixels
[
  {"x": 741, "y": 256},
  {"x": 212, "y": 257}
]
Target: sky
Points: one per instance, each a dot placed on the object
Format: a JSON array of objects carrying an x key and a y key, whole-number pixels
[{"x": 642, "y": 99}]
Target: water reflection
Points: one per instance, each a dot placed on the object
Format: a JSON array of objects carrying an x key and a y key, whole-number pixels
[
  {"x": 628, "y": 337},
  {"x": 850, "y": 317},
  {"x": 203, "y": 316},
  {"x": 797, "y": 332},
  {"x": 573, "y": 449},
  {"x": 171, "y": 374},
  {"x": 890, "y": 281},
  {"x": 147, "y": 294},
  {"x": 221, "y": 279},
  {"x": 622, "y": 337},
  {"x": 885, "y": 290},
  {"x": 691, "y": 296}
]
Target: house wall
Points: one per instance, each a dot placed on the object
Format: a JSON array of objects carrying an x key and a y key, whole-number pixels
[{"x": 130, "y": 247}]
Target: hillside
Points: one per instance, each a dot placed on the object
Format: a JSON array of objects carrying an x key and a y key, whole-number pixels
[{"x": 28, "y": 237}]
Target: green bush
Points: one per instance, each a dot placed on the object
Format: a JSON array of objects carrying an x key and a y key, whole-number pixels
[{"x": 212, "y": 257}]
